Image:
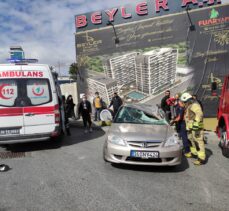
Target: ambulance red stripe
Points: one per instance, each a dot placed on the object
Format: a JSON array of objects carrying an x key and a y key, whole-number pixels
[
  {"x": 19, "y": 111},
  {"x": 11, "y": 111}
]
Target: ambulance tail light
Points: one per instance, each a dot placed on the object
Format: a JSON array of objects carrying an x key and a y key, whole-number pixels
[{"x": 57, "y": 114}]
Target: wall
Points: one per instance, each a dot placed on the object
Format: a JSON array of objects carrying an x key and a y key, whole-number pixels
[{"x": 70, "y": 89}]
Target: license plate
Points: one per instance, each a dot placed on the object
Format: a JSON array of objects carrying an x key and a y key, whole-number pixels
[
  {"x": 9, "y": 131},
  {"x": 142, "y": 154}
]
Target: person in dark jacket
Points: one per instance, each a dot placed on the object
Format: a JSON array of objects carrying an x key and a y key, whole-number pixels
[
  {"x": 165, "y": 107},
  {"x": 181, "y": 128},
  {"x": 116, "y": 102},
  {"x": 67, "y": 125},
  {"x": 85, "y": 111},
  {"x": 70, "y": 107}
]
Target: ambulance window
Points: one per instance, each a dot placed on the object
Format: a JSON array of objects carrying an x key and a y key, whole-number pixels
[
  {"x": 8, "y": 92},
  {"x": 38, "y": 90}
]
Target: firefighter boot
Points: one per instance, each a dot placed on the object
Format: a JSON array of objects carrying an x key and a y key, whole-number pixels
[
  {"x": 198, "y": 162},
  {"x": 188, "y": 155}
]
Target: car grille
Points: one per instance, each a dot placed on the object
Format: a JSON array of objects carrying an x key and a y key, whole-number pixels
[{"x": 142, "y": 144}]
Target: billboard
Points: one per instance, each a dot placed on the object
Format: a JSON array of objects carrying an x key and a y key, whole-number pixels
[{"x": 143, "y": 49}]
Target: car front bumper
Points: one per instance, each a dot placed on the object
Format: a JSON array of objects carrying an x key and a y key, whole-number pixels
[{"x": 168, "y": 156}]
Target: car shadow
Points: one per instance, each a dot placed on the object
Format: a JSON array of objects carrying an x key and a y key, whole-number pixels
[
  {"x": 162, "y": 169},
  {"x": 209, "y": 153},
  {"x": 77, "y": 136}
]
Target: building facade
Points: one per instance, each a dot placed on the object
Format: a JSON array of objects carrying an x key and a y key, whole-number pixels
[
  {"x": 122, "y": 68},
  {"x": 156, "y": 70}
]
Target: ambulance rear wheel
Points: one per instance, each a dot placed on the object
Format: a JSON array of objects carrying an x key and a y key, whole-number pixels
[{"x": 58, "y": 139}]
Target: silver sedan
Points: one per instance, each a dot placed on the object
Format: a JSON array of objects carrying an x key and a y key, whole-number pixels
[{"x": 139, "y": 135}]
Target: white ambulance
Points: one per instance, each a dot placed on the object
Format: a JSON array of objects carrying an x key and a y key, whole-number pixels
[{"x": 30, "y": 103}]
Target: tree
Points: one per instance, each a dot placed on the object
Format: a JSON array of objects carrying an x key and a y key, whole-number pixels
[{"x": 74, "y": 71}]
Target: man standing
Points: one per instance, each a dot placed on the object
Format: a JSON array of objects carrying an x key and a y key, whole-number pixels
[
  {"x": 116, "y": 102},
  {"x": 195, "y": 127},
  {"x": 181, "y": 128},
  {"x": 85, "y": 110},
  {"x": 165, "y": 107},
  {"x": 97, "y": 103}
]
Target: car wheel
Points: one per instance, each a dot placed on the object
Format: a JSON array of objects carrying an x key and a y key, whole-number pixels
[{"x": 224, "y": 142}]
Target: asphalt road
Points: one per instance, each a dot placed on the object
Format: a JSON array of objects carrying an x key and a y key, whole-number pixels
[{"x": 73, "y": 176}]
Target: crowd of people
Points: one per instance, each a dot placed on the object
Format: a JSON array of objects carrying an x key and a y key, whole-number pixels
[
  {"x": 86, "y": 108},
  {"x": 186, "y": 113}
]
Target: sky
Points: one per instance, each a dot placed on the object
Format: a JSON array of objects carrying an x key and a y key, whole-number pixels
[{"x": 45, "y": 28}]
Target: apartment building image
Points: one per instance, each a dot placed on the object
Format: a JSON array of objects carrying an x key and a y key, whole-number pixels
[
  {"x": 156, "y": 69},
  {"x": 122, "y": 68},
  {"x": 105, "y": 86}
]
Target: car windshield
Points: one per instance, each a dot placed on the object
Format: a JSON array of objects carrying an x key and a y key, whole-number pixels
[{"x": 136, "y": 116}]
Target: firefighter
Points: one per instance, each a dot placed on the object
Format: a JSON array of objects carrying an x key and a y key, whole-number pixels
[{"x": 195, "y": 128}]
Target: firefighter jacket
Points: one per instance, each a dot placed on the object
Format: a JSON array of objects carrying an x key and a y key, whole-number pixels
[{"x": 194, "y": 117}]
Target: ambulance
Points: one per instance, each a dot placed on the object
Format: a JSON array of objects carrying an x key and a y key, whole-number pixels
[{"x": 31, "y": 107}]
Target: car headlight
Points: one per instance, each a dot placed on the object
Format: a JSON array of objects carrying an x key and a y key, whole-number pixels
[
  {"x": 171, "y": 141},
  {"x": 116, "y": 140}
]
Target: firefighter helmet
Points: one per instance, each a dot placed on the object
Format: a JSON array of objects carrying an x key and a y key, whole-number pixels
[{"x": 185, "y": 97}]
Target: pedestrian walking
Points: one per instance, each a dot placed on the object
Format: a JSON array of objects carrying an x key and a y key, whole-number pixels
[
  {"x": 165, "y": 107},
  {"x": 116, "y": 102},
  {"x": 195, "y": 127},
  {"x": 85, "y": 111},
  {"x": 98, "y": 105},
  {"x": 181, "y": 128},
  {"x": 70, "y": 107},
  {"x": 66, "y": 121}
]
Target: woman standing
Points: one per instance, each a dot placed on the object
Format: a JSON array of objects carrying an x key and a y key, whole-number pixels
[
  {"x": 67, "y": 126},
  {"x": 70, "y": 107}
]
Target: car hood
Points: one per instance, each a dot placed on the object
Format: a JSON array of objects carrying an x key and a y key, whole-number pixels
[{"x": 141, "y": 132}]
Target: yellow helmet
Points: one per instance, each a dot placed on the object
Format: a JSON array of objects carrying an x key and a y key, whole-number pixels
[{"x": 185, "y": 97}]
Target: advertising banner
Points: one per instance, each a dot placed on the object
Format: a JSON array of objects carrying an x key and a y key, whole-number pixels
[{"x": 171, "y": 47}]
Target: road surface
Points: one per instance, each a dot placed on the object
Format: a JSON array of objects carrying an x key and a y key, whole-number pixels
[{"x": 73, "y": 176}]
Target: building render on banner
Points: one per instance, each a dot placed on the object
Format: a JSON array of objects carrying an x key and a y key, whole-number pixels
[
  {"x": 122, "y": 68},
  {"x": 151, "y": 71},
  {"x": 105, "y": 86},
  {"x": 156, "y": 69}
]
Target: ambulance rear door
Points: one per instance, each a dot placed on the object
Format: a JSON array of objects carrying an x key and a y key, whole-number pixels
[
  {"x": 39, "y": 115},
  {"x": 11, "y": 116}
]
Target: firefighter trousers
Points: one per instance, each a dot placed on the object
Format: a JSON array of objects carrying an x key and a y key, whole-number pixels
[{"x": 197, "y": 143}]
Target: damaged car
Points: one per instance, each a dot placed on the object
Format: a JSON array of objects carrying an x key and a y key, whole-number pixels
[{"x": 140, "y": 135}]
